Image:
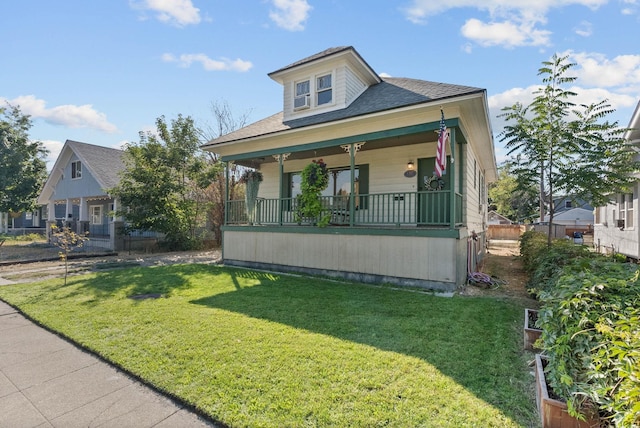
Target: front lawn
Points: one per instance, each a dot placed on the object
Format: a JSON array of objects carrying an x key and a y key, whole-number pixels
[{"x": 260, "y": 349}]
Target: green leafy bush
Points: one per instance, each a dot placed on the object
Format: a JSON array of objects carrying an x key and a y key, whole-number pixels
[
  {"x": 590, "y": 324},
  {"x": 314, "y": 179},
  {"x": 532, "y": 244},
  {"x": 550, "y": 262}
]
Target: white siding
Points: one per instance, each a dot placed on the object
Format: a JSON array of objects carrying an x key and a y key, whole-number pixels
[
  {"x": 607, "y": 237},
  {"x": 353, "y": 85}
]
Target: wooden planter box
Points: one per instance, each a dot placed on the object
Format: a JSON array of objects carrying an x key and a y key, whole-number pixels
[
  {"x": 531, "y": 333},
  {"x": 554, "y": 413}
]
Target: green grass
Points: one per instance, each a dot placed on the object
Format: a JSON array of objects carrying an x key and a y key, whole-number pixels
[{"x": 259, "y": 349}]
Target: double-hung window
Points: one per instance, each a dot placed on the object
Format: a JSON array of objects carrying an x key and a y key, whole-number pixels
[
  {"x": 626, "y": 210},
  {"x": 76, "y": 169},
  {"x": 324, "y": 91},
  {"x": 303, "y": 94}
]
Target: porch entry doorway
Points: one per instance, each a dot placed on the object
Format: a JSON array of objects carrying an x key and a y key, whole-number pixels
[{"x": 433, "y": 194}]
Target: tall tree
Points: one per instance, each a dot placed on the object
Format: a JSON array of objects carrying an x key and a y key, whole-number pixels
[
  {"x": 224, "y": 122},
  {"x": 23, "y": 169},
  {"x": 566, "y": 148},
  {"x": 513, "y": 199},
  {"x": 163, "y": 182}
]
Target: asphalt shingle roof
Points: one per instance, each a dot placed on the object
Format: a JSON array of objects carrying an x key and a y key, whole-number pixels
[
  {"x": 389, "y": 94},
  {"x": 104, "y": 163}
]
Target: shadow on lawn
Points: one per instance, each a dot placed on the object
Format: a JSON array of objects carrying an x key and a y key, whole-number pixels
[
  {"x": 137, "y": 281},
  {"x": 473, "y": 341}
]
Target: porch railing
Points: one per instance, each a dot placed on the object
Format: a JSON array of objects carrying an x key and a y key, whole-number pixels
[{"x": 431, "y": 208}]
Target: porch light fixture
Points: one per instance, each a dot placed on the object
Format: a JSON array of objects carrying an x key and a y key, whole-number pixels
[{"x": 410, "y": 171}]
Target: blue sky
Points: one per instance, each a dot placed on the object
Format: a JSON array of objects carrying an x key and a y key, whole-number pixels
[{"x": 100, "y": 71}]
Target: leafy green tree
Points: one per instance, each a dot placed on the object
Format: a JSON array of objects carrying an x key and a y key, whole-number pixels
[
  {"x": 515, "y": 200},
  {"x": 566, "y": 148},
  {"x": 23, "y": 169},
  {"x": 162, "y": 186}
]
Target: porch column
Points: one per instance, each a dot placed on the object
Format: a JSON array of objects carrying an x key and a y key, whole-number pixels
[
  {"x": 51, "y": 211},
  {"x": 83, "y": 217},
  {"x": 281, "y": 158},
  {"x": 452, "y": 190},
  {"x": 68, "y": 216},
  {"x": 116, "y": 207},
  {"x": 226, "y": 195},
  {"x": 4, "y": 222},
  {"x": 352, "y": 149}
]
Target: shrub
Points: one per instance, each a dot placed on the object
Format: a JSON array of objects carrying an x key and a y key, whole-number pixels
[
  {"x": 549, "y": 263},
  {"x": 532, "y": 244},
  {"x": 590, "y": 324}
]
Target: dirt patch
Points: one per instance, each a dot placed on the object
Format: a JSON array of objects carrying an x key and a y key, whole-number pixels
[
  {"x": 503, "y": 264},
  {"x": 13, "y": 269}
]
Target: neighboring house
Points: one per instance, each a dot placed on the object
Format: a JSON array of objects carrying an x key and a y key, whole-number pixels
[
  {"x": 616, "y": 224},
  {"x": 75, "y": 195},
  {"x": 495, "y": 218},
  {"x": 566, "y": 203},
  {"x": 580, "y": 219},
  {"x": 377, "y": 135},
  {"x": 23, "y": 222}
]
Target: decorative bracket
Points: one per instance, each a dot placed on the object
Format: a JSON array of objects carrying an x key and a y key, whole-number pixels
[
  {"x": 283, "y": 156},
  {"x": 356, "y": 146}
]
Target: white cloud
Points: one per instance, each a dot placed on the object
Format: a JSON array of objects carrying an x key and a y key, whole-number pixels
[
  {"x": 585, "y": 29},
  {"x": 72, "y": 116},
  {"x": 290, "y": 14},
  {"x": 596, "y": 69},
  {"x": 223, "y": 64},
  {"x": 174, "y": 12},
  {"x": 507, "y": 33},
  {"x": 54, "y": 148},
  {"x": 511, "y": 23}
]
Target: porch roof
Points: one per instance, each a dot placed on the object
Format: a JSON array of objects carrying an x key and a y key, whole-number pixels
[{"x": 391, "y": 93}]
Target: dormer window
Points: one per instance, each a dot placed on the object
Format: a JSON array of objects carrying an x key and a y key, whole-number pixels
[
  {"x": 76, "y": 169},
  {"x": 303, "y": 95},
  {"x": 324, "y": 93}
]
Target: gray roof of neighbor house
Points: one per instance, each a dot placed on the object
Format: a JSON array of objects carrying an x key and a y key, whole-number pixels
[
  {"x": 105, "y": 163},
  {"x": 389, "y": 94}
]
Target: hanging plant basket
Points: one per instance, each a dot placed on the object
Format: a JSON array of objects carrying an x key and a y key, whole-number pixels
[
  {"x": 314, "y": 179},
  {"x": 252, "y": 180}
]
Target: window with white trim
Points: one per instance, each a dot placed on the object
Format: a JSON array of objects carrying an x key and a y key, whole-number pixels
[
  {"x": 625, "y": 206},
  {"x": 76, "y": 169},
  {"x": 303, "y": 94},
  {"x": 324, "y": 91},
  {"x": 96, "y": 214}
]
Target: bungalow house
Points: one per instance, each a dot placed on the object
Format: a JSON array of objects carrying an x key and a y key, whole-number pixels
[
  {"x": 23, "y": 222},
  {"x": 615, "y": 227},
  {"x": 75, "y": 195},
  {"x": 392, "y": 219}
]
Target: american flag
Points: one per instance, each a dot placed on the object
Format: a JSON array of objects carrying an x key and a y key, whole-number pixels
[{"x": 441, "y": 151}]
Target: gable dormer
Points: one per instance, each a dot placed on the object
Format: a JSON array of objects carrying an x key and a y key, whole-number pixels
[{"x": 327, "y": 81}]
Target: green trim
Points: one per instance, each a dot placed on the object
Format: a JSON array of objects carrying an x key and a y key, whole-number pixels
[
  {"x": 397, "y": 132},
  {"x": 341, "y": 230}
]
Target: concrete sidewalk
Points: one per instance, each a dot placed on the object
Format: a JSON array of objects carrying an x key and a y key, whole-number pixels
[{"x": 47, "y": 382}]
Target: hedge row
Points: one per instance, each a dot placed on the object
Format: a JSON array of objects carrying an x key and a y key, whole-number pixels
[{"x": 590, "y": 320}]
